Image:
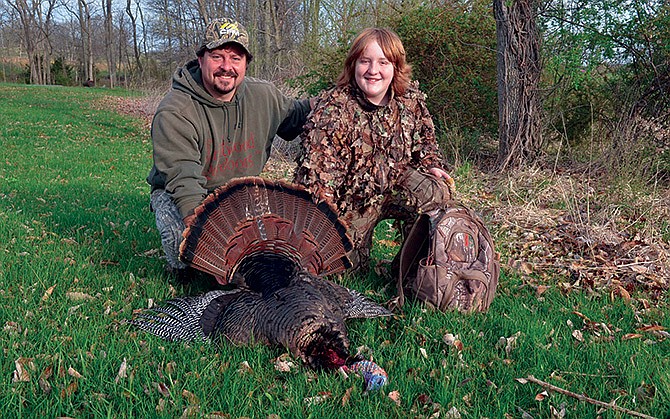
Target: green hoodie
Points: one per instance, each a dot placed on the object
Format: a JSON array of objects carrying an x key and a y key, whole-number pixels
[{"x": 200, "y": 143}]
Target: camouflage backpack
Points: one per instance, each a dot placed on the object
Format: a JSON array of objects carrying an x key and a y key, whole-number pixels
[{"x": 448, "y": 261}]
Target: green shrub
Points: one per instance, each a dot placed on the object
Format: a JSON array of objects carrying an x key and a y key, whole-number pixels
[{"x": 452, "y": 50}]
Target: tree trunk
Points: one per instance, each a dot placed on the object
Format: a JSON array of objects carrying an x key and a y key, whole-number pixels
[
  {"x": 29, "y": 32},
  {"x": 109, "y": 37},
  {"x": 136, "y": 46},
  {"x": 86, "y": 40},
  {"x": 519, "y": 71}
]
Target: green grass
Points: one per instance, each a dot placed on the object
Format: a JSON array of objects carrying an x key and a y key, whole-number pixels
[{"x": 78, "y": 253}]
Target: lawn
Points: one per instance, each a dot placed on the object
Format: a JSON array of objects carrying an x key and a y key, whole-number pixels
[{"x": 79, "y": 253}]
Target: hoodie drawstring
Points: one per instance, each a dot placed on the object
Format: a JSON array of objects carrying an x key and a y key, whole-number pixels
[{"x": 238, "y": 119}]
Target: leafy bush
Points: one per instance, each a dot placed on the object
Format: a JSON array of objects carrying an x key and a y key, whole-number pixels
[
  {"x": 452, "y": 50},
  {"x": 63, "y": 73}
]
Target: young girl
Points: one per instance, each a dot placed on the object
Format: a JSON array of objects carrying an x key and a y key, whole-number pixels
[{"x": 369, "y": 144}]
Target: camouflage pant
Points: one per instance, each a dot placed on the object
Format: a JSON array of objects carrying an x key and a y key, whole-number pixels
[
  {"x": 415, "y": 193},
  {"x": 170, "y": 226}
]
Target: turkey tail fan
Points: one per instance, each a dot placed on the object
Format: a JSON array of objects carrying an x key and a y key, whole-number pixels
[{"x": 253, "y": 214}]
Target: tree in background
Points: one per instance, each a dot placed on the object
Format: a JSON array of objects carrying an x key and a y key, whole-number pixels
[
  {"x": 607, "y": 78},
  {"x": 36, "y": 19},
  {"x": 519, "y": 71},
  {"x": 452, "y": 52}
]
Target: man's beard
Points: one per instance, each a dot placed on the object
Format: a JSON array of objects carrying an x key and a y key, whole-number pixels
[{"x": 230, "y": 86}]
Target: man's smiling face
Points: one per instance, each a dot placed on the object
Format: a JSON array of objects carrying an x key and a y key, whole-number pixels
[{"x": 223, "y": 70}]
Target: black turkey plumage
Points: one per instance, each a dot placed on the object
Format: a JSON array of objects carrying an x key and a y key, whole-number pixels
[{"x": 271, "y": 240}]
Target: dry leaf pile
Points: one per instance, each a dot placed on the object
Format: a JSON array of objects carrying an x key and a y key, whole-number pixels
[
  {"x": 141, "y": 107},
  {"x": 571, "y": 232}
]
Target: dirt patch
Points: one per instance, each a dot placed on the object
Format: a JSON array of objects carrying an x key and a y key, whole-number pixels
[{"x": 140, "y": 107}]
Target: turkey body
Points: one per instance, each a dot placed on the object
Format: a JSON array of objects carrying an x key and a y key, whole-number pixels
[
  {"x": 301, "y": 312},
  {"x": 276, "y": 304},
  {"x": 275, "y": 244}
]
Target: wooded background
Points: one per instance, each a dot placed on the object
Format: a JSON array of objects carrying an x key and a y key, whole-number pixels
[{"x": 509, "y": 83}]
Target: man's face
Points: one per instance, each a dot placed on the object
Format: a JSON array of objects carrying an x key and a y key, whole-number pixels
[{"x": 223, "y": 70}]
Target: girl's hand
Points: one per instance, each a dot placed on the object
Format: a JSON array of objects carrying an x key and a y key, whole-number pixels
[{"x": 441, "y": 174}]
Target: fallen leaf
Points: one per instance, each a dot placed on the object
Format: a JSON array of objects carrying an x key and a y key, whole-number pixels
[
  {"x": 21, "y": 366},
  {"x": 218, "y": 415},
  {"x": 639, "y": 269},
  {"x": 74, "y": 373},
  {"x": 395, "y": 396},
  {"x": 322, "y": 397},
  {"x": 623, "y": 293},
  {"x": 645, "y": 392},
  {"x": 467, "y": 399},
  {"x": 342, "y": 373},
  {"x": 347, "y": 396},
  {"x": 449, "y": 338},
  {"x": 192, "y": 398},
  {"x": 629, "y": 336},
  {"x": 558, "y": 413},
  {"x": 48, "y": 292},
  {"x": 79, "y": 296},
  {"x": 162, "y": 389},
  {"x": 160, "y": 407},
  {"x": 151, "y": 252},
  {"x": 191, "y": 412},
  {"x": 577, "y": 334},
  {"x": 581, "y": 316},
  {"x": 650, "y": 328},
  {"x": 122, "y": 371},
  {"x": 525, "y": 268},
  {"x": 12, "y": 327},
  {"x": 244, "y": 368},
  {"x": 284, "y": 363},
  {"x": 453, "y": 413},
  {"x": 508, "y": 343},
  {"x": 388, "y": 243},
  {"x": 43, "y": 380},
  {"x": 541, "y": 396},
  {"x": 70, "y": 389}
]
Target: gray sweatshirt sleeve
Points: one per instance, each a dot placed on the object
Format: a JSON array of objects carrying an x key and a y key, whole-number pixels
[{"x": 177, "y": 158}]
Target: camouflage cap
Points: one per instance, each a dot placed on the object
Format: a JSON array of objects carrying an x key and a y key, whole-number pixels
[{"x": 222, "y": 31}]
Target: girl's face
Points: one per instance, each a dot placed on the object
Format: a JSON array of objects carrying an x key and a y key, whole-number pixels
[{"x": 374, "y": 73}]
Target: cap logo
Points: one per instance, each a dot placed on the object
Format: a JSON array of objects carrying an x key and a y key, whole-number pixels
[{"x": 230, "y": 30}]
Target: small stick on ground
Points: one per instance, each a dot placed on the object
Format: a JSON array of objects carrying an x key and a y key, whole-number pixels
[{"x": 584, "y": 398}]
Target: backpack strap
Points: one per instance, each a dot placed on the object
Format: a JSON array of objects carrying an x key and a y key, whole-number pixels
[{"x": 415, "y": 247}]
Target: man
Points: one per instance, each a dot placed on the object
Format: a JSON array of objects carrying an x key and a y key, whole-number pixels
[{"x": 214, "y": 125}]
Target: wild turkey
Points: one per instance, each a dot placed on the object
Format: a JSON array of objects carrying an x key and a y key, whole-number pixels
[{"x": 271, "y": 240}]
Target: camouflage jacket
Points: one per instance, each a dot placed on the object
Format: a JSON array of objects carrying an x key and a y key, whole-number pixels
[{"x": 354, "y": 152}]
